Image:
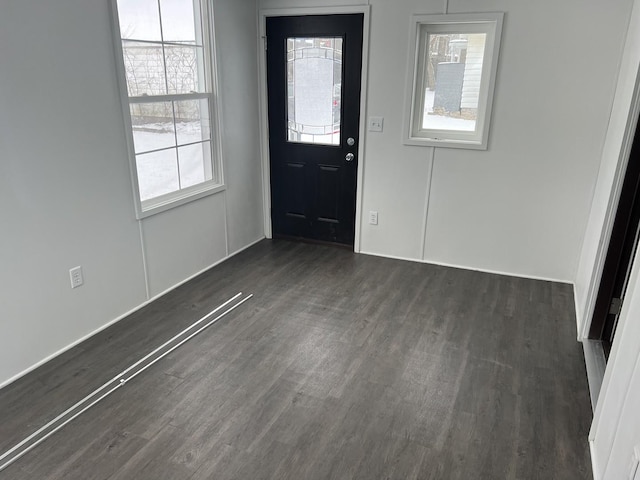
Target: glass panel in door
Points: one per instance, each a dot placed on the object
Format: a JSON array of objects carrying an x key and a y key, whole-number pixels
[{"x": 314, "y": 90}]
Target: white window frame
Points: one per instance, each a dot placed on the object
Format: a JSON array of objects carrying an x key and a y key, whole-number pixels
[
  {"x": 174, "y": 199},
  {"x": 421, "y": 27}
]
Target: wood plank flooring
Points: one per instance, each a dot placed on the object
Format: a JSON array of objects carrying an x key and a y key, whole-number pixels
[{"x": 342, "y": 366}]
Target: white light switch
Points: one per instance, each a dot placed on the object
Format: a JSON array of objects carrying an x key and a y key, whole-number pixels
[{"x": 375, "y": 124}]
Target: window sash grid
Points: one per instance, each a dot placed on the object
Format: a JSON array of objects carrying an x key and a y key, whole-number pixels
[
  {"x": 173, "y": 147},
  {"x": 172, "y": 97},
  {"x": 162, "y": 42},
  {"x": 164, "y": 63},
  {"x": 206, "y": 79}
]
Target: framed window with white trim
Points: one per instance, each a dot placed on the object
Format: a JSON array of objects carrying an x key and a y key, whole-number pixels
[
  {"x": 451, "y": 78},
  {"x": 165, "y": 57}
]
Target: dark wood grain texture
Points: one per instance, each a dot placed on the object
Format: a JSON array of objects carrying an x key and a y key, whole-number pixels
[{"x": 343, "y": 366}]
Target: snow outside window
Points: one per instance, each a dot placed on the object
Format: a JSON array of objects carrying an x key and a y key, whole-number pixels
[
  {"x": 453, "y": 66},
  {"x": 166, "y": 78}
]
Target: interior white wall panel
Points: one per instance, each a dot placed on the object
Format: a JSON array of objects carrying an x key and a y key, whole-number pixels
[
  {"x": 236, "y": 24},
  {"x": 183, "y": 241}
]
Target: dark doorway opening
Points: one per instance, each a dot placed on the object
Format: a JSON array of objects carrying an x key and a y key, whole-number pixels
[{"x": 620, "y": 254}]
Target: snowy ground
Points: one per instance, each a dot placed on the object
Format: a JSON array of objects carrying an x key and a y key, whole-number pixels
[
  {"x": 168, "y": 170},
  {"x": 440, "y": 122}
]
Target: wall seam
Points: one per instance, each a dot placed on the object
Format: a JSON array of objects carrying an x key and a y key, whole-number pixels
[
  {"x": 427, "y": 203},
  {"x": 145, "y": 268}
]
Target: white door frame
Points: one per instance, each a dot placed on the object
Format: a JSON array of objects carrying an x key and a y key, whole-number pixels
[
  {"x": 612, "y": 209},
  {"x": 264, "y": 122}
]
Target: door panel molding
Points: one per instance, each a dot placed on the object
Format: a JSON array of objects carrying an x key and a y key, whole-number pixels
[{"x": 263, "y": 96}]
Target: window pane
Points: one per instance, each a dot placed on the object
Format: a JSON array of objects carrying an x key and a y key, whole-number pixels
[
  {"x": 185, "y": 69},
  {"x": 314, "y": 90},
  {"x": 179, "y": 23},
  {"x": 153, "y": 126},
  {"x": 192, "y": 121},
  {"x": 195, "y": 164},
  {"x": 454, "y": 70},
  {"x": 157, "y": 173},
  {"x": 144, "y": 67},
  {"x": 139, "y": 19},
  {"x": 164, "y": 61}
]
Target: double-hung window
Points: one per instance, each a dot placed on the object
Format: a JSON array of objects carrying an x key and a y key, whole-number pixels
[
  {"x": 453, "y": 63},
  {"x": 167, "y": 87}
]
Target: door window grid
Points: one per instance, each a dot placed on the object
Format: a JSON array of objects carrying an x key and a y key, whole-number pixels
[{"x": 314, "y": 90}]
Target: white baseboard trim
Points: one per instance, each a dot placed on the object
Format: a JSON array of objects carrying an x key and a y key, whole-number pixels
[
  {"x": 73, "y": 344},
  {"x": 233, "y": 254},
  {"x": 393, "y": 257},
  {"x": 596, "y": 365},
  {"x": 474, "y": 269},
  {"x": 121, "y": 317},
  {"x": 579, "y": 318},
  {"x": 596, "y": 474}
]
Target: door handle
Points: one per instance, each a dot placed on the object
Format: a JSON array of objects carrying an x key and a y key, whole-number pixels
[{"x": 350, "y": 156}]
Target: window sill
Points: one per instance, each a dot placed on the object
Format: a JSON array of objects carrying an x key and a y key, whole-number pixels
[
  {"x": 167, "y": 202},
  {"x": 445, "y": 143}
]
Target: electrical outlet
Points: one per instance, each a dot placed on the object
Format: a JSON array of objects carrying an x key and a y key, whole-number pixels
[
  {"x": 373, "y": 217},
  {"x": 76, "y": 277}
]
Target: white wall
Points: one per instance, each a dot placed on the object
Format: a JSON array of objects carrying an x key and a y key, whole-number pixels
[
  {"x": 65, "y": 191},
  {"x": 522, "y": 206},
  {"x": 616, "y": 425}
]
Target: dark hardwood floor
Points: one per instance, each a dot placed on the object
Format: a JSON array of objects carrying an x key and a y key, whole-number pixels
[{"x": 342, "y": 366}]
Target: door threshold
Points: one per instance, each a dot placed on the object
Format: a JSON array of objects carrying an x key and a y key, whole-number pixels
[{"x": 596, "y": 364}]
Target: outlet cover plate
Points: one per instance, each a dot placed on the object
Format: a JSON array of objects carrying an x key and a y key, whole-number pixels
[{"x": 76, "y": 276}]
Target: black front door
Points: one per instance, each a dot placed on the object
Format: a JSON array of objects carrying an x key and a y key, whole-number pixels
[{"x": 314, "y": 66}]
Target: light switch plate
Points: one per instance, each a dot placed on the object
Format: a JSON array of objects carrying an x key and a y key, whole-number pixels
[{"x": 376, "y": 124}]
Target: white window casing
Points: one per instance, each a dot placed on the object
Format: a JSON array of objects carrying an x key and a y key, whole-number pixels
[
  {"x": 189, "y": 84},
  {"x": 451, "y": 57}
]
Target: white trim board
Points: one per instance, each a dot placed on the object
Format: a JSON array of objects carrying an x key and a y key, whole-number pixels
[
  {"x": 123, "y": 316},
  {"x": 595, "y": 471},
  {"x": 596, "y": 365},
  {"x": 612, "y": 207},
  {"x": 473, "y": 269},
  {"x": 263, "y": 95},
  {"x": 578, "y": 310}
]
